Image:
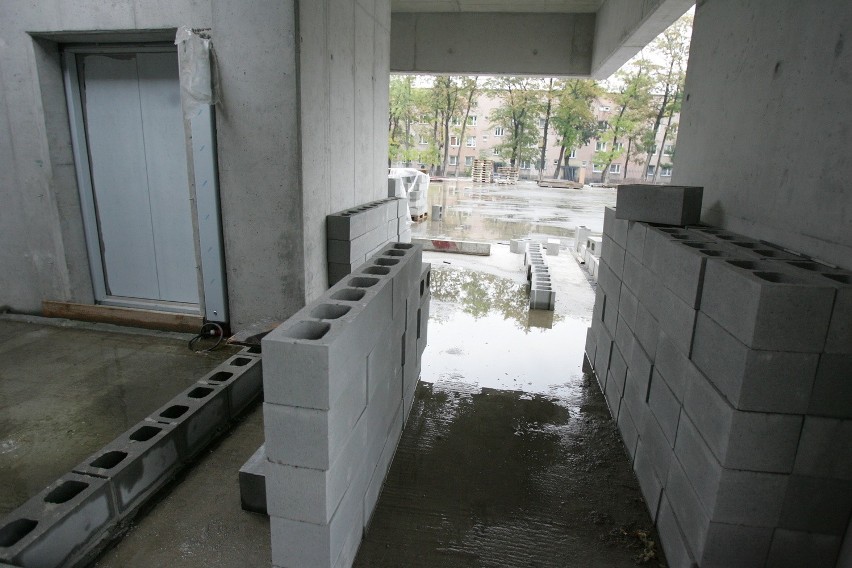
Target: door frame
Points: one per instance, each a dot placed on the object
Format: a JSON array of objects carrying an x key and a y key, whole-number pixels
[{"x": 199, "y": 132}]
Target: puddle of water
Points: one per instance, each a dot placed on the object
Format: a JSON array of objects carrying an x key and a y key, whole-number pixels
[
  {"x": 491, "y": 212},
  {"x": 482, "y": 333}
]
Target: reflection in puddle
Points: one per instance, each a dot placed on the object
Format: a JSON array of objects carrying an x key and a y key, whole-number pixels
[{"x": 481, "y": 332}]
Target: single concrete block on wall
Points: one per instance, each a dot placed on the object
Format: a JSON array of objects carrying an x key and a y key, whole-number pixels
[
  {"x": 794, "y": 549},
  {"x": 754, "y": 441},
  {"x": 832, "y": 387},
  {"x": 839, "y": 338},
  {"x": 765, "y": 381},
  {"x": 824, "y": 449},
  {"x": 636, "y": 240},
  {"x": 664, "y": 406},
  {"x": 736, "y": 546},
  {"x": 766, "y": 306},
  {"x": 649, "y": 482},
  {"x": 817, "y": 505},
  {"x": 136, "y": 464},
  {"x": 678, "y": 265},
  {"x": 242, "y": 378},
  {"x": 674, "y": 367},
  {"x": 678, "y": 554},
  {"x": 198, "y": 414},
  {"x": 60, "y": 524},
  {"x": 253, "y": 482},
  {"x": 613, "y": 255},
  {"x": 666, "y": 205},
  {"x": 615, "y": 227}
]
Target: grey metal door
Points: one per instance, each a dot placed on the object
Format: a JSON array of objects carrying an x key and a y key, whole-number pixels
[{"x": 134, "y": 134}]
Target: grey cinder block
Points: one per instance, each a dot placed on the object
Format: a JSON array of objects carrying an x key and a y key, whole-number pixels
[
  {"x": 664, "y": 204},
  {"x": 136, "y": 464},
  {"x": 817, "y": 505},
  {"x": 628, "y": 304},
  {"x": 736, "y": 546},
  {"x": 839, "y": 338},
  {"x": 59, "y": 525},
  {"x": 678, "y": 554},
  {"x": 794, "y": 549},
  {"x": 636, "y": 240},
  {"x": 198, "y": 414},
  {"x": 591, "y": 344},
  {"x": 346, "y": 225},
  {"x": 754, "y": 441},
  {"x": 602, "y": 355},
  {"x": 647, "y": 331},
  {"x": 664, "y": 406},
  {"x": 693, "y": 520},
  {"x": 832, "y": 387},
  {"x": 609, "y": 283},
  {"x": 675, "y": 317},
  {"x": 629, "y": 432},
  {"x": 649, "y": 482},
  {"x": 766, "y": 306},
  {"x": 677, "y": 264},
  {"x": 674, "y": 367},
  {"x": 766, "y": 381},
  {"x": 613, "y": 254},
  {"x": 825, "y": 449},
  {"x": 615, "y": 227},
  {"x": 242, "y": 378},
  {"x": 253, "y": 482},
  {"x": 660, "y": 453}
]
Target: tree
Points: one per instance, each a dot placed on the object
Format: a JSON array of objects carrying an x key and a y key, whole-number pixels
[
  {"x": 520, "y": 106},
  {"x": 672, "y": 47},
  {"x": 549, "y": 95},
  {"x": 446, "y": 93},
  {"x": 631, "y": 99},
  {"x": 469, "y": 89},
  {"x": 400, "y": 117},
  {"x": 573, "y": 118}
]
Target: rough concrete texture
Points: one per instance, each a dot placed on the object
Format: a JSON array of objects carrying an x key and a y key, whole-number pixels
[
  {"x": 663, "y": 204},
  {"x": 84, "y": 384},
  {"x": 791, "y": 54}
]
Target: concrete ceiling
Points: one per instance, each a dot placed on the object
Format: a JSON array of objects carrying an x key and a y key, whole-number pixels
[{"x": 528, "y": 6}]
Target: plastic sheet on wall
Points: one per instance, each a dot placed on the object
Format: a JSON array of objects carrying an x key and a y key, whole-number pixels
[{"x": 199, "y": 83}]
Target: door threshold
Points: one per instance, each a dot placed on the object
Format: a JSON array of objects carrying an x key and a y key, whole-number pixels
[{"x": 131, "y": 317}]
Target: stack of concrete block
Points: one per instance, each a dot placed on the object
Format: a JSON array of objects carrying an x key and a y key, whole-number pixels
[
  {"x": 581, "y": 233},
  {"x": 354, "y": 235},
  {"x": 339, "y": 381},
  {"x": 725, "y": 363},
  {"x": 68, "y": 522},
  {"x": 542, "y": 295}
]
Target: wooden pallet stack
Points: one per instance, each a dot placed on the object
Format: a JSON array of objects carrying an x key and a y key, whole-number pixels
[
  {"x": 483, "y": 171},
  {"x": 507, "y": 175}
]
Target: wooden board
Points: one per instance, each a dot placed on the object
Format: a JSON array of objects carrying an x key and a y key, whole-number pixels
[{"x": 148, "y": 319}]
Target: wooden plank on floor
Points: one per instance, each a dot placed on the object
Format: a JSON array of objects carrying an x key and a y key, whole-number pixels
[{"x": 148, "y": 319}]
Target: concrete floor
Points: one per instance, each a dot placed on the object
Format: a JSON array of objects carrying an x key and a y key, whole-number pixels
[
  {"x": 67, "y": 389},
  {"x": 509, "y": 457}
]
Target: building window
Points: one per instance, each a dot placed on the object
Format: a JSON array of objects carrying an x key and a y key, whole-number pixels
[
  {"x": 422, "y": 140},
  {"x": 573, "y": 153},
  {"x": 615, "y": 168},
  {"x": 669, "y": 150},
  {"x": 597, "y": 168},
  {"x": 471, "y": 120},
  {"x": 654, "y": 149},
  {"x": 455, "y": 121},
  {"x": 468, "y": 160},
  {"x": 541, "y": 122},
  {"x": 651, "y": 169},
  {"x": 498, "y": 131},
  {"x": 600, "y": 146},
  {"x": 454, "y": 141},
  {"x": 454, "y": 160},
  {"x": 603, "y": 125},
  {"x": 525, "y": 164},
  {"x": 665, "y": 171},
  {"x": 495, "y": 152},
  {"x": 471, "y": 142},
  {"x": 619, "y": 146}
]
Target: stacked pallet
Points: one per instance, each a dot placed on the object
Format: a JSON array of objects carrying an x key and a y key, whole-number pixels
[
  {"x": 483, "y": 171},
  {"x": 507, "y": 175},
  {"x": 339, "y": 381},
  {"x": 356, "y": 234},
  {"x": 724, "y": 362}
]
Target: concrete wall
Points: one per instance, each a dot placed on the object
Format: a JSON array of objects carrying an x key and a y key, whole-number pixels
[
  {"x": 766, "y": 127},
  {"x": 488, "y": 43},
  {"x": 344, "y": 69},
  {"x": 43, "y": 252}
]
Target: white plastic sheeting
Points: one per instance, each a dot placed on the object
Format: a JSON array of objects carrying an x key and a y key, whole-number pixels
[
  {"x": 198, "y": 77},
  {"x": 410, "y": 183}
]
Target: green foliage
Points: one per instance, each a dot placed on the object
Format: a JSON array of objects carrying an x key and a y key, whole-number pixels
[
  {"x": 518, "y": 114},
  {"x": 573, "y": 119}
]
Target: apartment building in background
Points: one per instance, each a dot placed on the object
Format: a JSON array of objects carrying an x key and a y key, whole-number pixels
[{"x": 481, "y": 139}]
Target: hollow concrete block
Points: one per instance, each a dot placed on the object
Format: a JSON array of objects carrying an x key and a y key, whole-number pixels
[
  {"x": 839, "y": 337},
  {"x": 674, "y": 316},
  {"x": 198, "y": 414},
  {"x": 766, "y": 306},
  {"x": 674, "y": 367},
  {"x": 613, "y": 254},
  {"x": 602, "y": 355},
  {"x": 735, "y": 546},
  {"x": 649, "y": 482},
  {"x": 824, "y": 449},
  {"x": 346, "y": 225},
  {"x": 755, "y": 380},
  {"x": 252, "y": 478},
  {"x": 693, "y": 520},
  {"x": 598, "y": 309},
  {"x": 615, "y": 227},
  {"x": 754, "y": 441},
  {"x": 377, "y": 479},
  {"x": 242, "y": 378},
  {"x": 678, "y": 554},
  {"x": 636, "y": 240},
  {"x": 678, "y": 265},
  {"x": 664, "y": 406},
  {"x": 60, "y": 525},
  {"x": 832, "y": 387},
  {"x": 299, "y": 544},
  {"x": 664, "y": 204},
  {"x": 628, "y": 304},
  {"x": 609, "y": 283},
  {"x": 628, "y": 430},
  {"x": 660, "y": 453},
  {"x": 818, "y": 505},
  {"x": 794, "y": 549},
  {"x": 647, "y": 331},
  {"x": 136, "y": 464},
  {"x": 349, "y": 251}
]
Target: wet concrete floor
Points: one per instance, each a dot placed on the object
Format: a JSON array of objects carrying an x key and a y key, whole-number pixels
[{"x": 66, "y": 391}]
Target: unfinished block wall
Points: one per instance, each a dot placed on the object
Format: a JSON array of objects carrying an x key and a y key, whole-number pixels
[
  {"x": 356, "y": 234},
  {"x": 339, "y": 380},
  {"x": 725, "y": 363}
]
